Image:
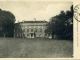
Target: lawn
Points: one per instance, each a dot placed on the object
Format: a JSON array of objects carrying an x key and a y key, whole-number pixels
[{"x": 35, "y": 48}]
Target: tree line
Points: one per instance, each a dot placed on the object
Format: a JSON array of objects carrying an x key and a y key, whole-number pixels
[
  {"x": 61, "y": 25},
  {"x": 7, "y": 20}
]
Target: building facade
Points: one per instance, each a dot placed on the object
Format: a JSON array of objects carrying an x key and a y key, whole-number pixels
[{"x": 30, "y": 29}]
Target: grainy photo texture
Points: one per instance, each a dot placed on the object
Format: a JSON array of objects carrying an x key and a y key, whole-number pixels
[{"x": 38, "y": 29}]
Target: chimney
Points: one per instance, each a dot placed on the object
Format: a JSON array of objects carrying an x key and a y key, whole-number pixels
[
  {"x": 34, "y": 19},
  {"x": 44, "y": 20}
]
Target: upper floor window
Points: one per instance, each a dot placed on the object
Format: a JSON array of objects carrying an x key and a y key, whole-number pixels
[
  {"x": 40, "y": 30},
  {"x": 33, "y": 26},
  {"x": 27, "y": 30},
  {"x": 23, "y": 30},
  {"x": 31, "y": 30},
  {"x": 38, "y": 26},
  {"x": 21, "y": 25},
  {"x": 29, "y": 26},
  {"x": 35, "y": 30},
  {"x": 18, "y": 30}
]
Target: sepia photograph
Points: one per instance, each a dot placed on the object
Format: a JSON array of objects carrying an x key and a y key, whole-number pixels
[{"x": 36, "y": 29}]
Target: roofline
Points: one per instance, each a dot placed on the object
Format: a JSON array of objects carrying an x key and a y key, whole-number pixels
[{"x": 32, "y": 22}]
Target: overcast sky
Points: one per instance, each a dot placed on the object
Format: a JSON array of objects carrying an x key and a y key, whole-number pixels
[{"x": 25, "y": 10}]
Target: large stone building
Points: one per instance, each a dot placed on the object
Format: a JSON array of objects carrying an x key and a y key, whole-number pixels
[{"x": 30, "y": 29}]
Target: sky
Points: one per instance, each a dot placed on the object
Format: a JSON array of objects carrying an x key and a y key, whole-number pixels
[{"x": 40, "y": 10}]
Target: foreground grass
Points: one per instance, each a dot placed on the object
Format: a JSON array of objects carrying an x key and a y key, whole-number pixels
[{"x": 35, "y": 48}]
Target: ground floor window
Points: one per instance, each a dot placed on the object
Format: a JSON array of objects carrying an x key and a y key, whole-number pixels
[{"x": 27, "y": 34}]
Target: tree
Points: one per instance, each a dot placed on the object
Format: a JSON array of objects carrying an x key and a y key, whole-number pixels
[
  {"x": 62, "y": 25},
  {"x": 69, "y": 22},
  {"x": 18, "y": 32},
  {"x": 7, "y": 20}
]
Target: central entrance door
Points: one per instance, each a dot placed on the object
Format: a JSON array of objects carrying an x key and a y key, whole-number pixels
[{"x": 32, "y": 35}]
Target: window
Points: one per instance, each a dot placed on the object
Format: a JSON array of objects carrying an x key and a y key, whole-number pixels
[
  {"x": 22, "y": 26},
  {"x": 33, "y": 26},
  {"x": 38, "y": 26},
  {"x": 26, "y": 27},
  {"x": 29, "y": 26},
  {"x": 17, "y": 30},
  {"x": 27, "y": 34},
  {"x": 40, "y": 30},
  {"x": 17, "y": 35},
  {"x": 35, "y": 30},
  {"x": 31, "y": 30},
  {"x": 20, "y": 35},
  {"x": 27, "y": 30},
  {"x": 23, "y": 30}
]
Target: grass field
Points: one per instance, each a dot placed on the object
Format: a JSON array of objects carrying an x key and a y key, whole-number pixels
[{"x": 35, "y": 48}]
